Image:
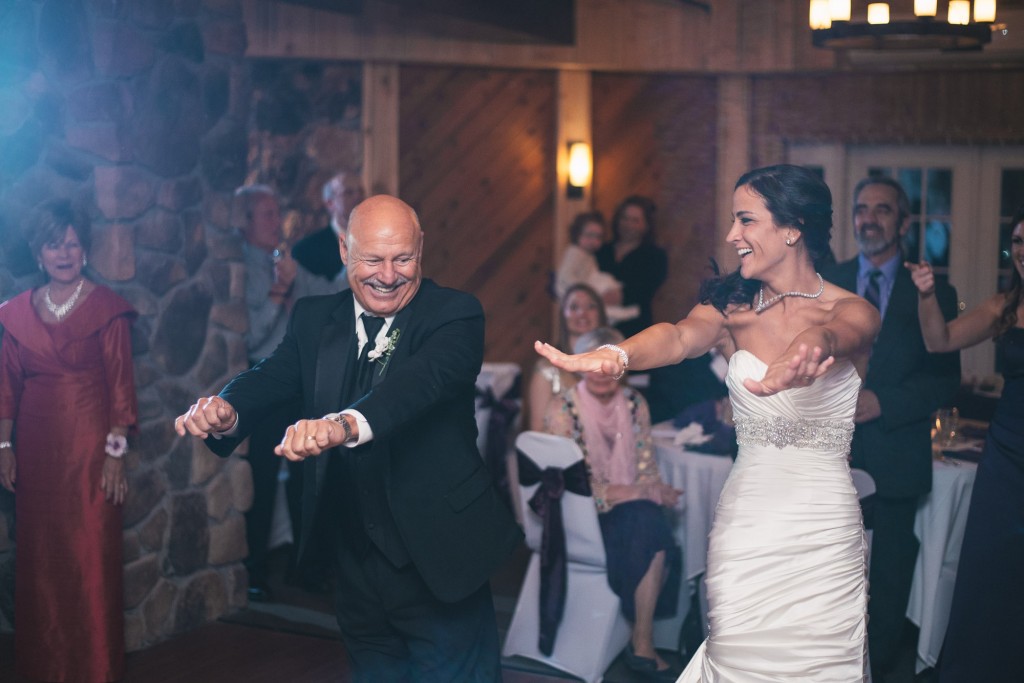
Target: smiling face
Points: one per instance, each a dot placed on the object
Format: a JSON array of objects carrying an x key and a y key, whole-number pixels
[
  {"x": 382, "y": 255},
  {"x": 264, "y": 229},
  {"x": 759, "y": 243},
  {"x": 582, "y": 313},
  {"x": 877, "y": 223},
  {"x": 602, "y": 386},
  {"x": 591, "y": 237},
  {"x": 63, "y": 258}
]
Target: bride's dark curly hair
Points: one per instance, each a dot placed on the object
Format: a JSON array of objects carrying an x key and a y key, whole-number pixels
[
  {"x": 796, "y": 198},
  {"x": 1008, "y": 316}
]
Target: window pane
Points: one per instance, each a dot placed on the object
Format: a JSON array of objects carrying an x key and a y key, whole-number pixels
[
  {"x": 912, "y": 243},
  {"x": 878, "y": 171},
  {"x": 1004, "y": 244},
  {"x": 910, "y": 179},
  {"x": 936, "y": 243},
  {"x": 940, "y": 189},
  {"x": 817, "y": 170},
  {"x": 1012, "y": 192}
]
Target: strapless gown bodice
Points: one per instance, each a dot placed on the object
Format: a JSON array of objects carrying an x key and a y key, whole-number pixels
[{"x": 786, "y": 571}]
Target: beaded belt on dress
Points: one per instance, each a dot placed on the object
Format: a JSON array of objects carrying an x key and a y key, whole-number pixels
[{"x": 781, "y": 432}]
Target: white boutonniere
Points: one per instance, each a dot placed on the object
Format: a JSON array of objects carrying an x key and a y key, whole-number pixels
[{"x": 384, "y": 347}]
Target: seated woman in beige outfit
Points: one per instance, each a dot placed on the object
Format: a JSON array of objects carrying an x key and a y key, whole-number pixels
[{"x": 612, "y": 425}]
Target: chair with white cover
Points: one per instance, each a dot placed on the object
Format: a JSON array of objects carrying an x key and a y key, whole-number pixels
[{"x": 593, "y": 630}]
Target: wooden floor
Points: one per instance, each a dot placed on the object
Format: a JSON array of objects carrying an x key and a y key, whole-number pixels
[
  {"x": 224, "y": 653},
  {"x": 254, "y": 647}
]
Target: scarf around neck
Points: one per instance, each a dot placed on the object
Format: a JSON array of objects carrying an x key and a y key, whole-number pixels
[{"x": 608, "y": 435}]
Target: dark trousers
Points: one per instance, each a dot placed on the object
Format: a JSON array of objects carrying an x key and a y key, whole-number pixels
[
  {"x": 893, "y": 555},
  {"x": 396, "y": 631},
  {"x": 265, "y": 467}
]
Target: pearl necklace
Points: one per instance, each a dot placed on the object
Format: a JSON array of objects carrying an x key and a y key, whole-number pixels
[
  {"x": 60, "y": 311},
  {"x": 762, "y": 304}
]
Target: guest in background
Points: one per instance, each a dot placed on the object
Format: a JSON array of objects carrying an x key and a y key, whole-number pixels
[
  {"x": 66, "y": 387},
  {"x": 674, "y": 388},
  {"x": 986, "y": 621},
  {"x": 581, "y": 311},
  {"x": 633, "y": 259},
  {"x": 274, "y": 281},
  {"x": 579, "y": 265},
  {"x": 904, "y": 385},
  {"x": 612, "y": 425},
  {"x": 319, "y": 252}
]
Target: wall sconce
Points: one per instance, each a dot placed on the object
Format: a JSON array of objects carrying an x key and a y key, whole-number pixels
[{"x": 581, "y": 168}]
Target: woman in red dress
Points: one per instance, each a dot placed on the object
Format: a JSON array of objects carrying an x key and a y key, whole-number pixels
[{"x": 67, "y": 399}]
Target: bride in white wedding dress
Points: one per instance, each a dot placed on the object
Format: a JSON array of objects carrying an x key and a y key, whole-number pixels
[{"x": 786, "y": 563}]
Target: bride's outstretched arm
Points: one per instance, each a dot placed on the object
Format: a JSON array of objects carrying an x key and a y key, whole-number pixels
[{"x": 658, "y": 345}]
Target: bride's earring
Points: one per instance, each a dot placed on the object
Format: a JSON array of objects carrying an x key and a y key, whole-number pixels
[
  {"x": 789, "y": 242},
  {"x": 85, "y": 260}
]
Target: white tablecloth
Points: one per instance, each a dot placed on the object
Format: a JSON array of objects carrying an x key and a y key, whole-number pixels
[
  {"x": 939, "y": 526},
  {"x": 701, "y": 477}
]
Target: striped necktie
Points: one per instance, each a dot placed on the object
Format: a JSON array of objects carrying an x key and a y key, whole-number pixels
[{"x": 873, "y": 291}]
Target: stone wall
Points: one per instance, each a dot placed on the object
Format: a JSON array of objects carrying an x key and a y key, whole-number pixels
[
  {"x": 304, "y": 127},
  {"x": 138, "y": 111}
]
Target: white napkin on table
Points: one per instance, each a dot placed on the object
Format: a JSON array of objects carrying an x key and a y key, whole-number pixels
[{"x": 691, "y": 434}]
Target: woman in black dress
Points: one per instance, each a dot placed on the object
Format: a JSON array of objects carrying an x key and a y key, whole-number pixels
[
  {"x": 634, "y": 259},
  {"x": 986, "y": 620}
]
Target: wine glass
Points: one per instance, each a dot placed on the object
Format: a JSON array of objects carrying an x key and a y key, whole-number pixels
[{"x": 946, "y": 424}]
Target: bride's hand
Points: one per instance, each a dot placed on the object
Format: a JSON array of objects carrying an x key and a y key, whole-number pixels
[
  {"x": 799, "y": 370},
  {"x": 605, "y": 361}
]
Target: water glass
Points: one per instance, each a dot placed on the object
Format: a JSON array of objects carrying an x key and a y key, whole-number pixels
[{"x": 946, "y": 422}]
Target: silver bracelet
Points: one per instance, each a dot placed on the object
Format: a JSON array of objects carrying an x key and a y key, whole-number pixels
[
  {"x": 623, "y": 358},
  {"x": 6, "y": 444}
]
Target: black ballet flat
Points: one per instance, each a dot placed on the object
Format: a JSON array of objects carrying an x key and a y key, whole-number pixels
[
  {"x": 648, "y": 666},
  {"x": 642, "y": 665}
]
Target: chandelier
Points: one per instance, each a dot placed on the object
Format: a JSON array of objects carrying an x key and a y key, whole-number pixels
[{"x": 831, "y": 26}]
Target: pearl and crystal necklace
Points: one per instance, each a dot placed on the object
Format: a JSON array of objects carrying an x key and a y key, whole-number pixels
[
  {"x": 762, "y": 304},
  {"x": 60, "y": 311}
]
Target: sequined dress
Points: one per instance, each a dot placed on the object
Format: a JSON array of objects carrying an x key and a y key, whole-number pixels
[{"x": 786, "y": 571}]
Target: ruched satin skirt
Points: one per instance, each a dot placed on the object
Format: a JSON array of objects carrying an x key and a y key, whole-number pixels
[{"x": 786, "y": 575}]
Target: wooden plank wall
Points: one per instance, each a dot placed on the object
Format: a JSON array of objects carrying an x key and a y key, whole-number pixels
[
  {"x": 655, "y": 136},
  {"x": 975, "y": 107},
  {"x": 477, "y": 161}
]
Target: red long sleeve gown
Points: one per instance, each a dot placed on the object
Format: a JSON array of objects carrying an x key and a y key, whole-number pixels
[{"x": 65, "y": 385}]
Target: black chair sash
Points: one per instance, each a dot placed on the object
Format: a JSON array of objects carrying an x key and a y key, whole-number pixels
[
  {"x": 547, "y": 503},
  {"x": 500, "y": 424}
]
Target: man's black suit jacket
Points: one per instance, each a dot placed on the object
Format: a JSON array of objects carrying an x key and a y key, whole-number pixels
[
  {"x": 910, "y": 383},
  {"x": 453, "y": 523},
  {"x": 319, "y": 253}
]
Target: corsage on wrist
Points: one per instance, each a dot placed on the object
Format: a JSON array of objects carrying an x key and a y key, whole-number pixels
[{"x": 117, "y": 445}]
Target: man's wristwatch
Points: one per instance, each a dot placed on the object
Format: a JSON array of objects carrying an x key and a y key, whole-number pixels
[{"x": 340, "y": 419}]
